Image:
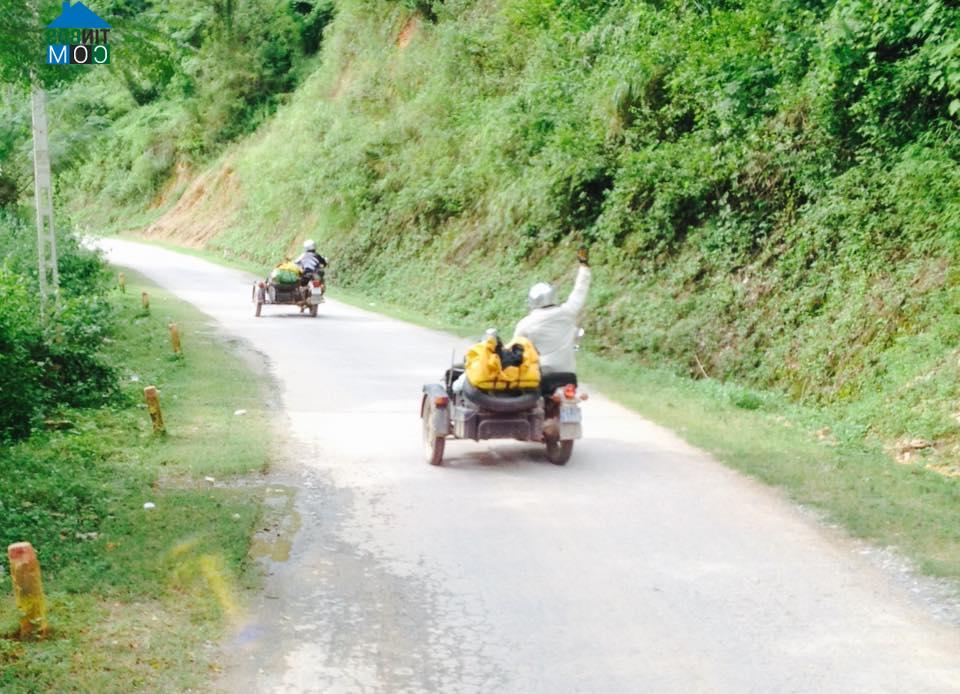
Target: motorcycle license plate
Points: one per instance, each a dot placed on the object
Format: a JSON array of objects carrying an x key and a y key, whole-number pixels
[{"x": 569, "y": 414}]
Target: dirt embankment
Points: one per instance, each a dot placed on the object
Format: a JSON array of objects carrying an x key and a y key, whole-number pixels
[{"x": 205, "y": 208}]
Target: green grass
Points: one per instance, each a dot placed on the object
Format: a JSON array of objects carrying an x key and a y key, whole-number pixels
[{"x": 136, "y": 595}]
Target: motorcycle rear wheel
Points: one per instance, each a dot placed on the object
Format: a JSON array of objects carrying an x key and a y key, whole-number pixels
[
  {"x": 559, "y": 452},
  {"x": 433, "y": 445}
]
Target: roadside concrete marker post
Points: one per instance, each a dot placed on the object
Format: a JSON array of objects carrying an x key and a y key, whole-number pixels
[
  {"x": 28, "y": 589},
  {"x": 175, "y": 339},
  {"x": 153, "y": 404},
  {"x": 122, "y": 281},
  {"x": 145, "y": 300}
]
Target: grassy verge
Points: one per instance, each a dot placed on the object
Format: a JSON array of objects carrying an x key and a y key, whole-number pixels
[
  {"x": 817, "y": 456},
  {"x": 136, "y": 596}
]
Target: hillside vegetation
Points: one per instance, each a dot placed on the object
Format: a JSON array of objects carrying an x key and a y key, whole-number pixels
[{"x": 770, "y": 188}]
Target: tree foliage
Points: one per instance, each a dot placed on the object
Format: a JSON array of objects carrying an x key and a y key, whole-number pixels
[{"x": 186, "y": 77}]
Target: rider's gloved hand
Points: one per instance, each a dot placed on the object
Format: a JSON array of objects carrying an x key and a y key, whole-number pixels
[{"x": 582, "y": 256}]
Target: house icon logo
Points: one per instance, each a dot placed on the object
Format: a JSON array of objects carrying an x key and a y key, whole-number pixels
[{"x": 78, "y": 37}]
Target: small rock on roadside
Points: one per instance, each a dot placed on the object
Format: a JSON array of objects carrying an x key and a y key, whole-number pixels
[
  {"x": 906, "y": 451},
  {"x": 915, "y": 444}
]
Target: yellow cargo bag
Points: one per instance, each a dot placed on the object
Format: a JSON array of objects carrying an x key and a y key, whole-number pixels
[
  {"x": 484, "y": 370},
  {"x": 290, "y": 266},
  {"x": 285, "y": 273}
]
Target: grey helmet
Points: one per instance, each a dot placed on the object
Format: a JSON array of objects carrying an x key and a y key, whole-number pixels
[
  {"x": 541, "y": 295},
  {"x": 309, "y": 245}
]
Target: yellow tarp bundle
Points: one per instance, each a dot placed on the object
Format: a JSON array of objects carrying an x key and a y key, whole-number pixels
[
  {"x": 286, "y": 273},
  {"x": 289, "y": 266},
  {"x": 484, "y": 370}
]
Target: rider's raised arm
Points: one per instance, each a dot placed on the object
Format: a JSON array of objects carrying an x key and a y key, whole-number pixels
[{"x": 578, "y": 297}]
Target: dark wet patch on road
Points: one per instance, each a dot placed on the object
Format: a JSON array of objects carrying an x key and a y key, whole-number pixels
[{"x": 279, "y": 524}]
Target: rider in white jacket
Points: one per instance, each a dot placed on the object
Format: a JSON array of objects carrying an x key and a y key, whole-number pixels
[{"x": 553, "y": 328}]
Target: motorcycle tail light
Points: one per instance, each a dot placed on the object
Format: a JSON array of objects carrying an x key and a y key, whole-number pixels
[
  {"x": 316, "y": 283},
  {"x": 570, "y": 391},
  {"x": 441, "y": 401},
  {"x": 261, "y": 285}
]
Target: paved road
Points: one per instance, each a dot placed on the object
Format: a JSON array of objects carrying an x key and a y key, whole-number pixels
[{"x": 642, "y": 566}]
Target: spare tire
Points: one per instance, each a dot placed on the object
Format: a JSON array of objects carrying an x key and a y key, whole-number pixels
[{"x": 527, "y": 400}]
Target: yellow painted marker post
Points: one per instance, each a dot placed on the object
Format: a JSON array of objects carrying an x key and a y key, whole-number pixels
[
  {"x": 153, "y": 404},
  {"x": 175, "y": 339},
  {"x": 145, "y": 300},
  {"x": 28, "y": 589},
  {"x": 122, "y": 281}
]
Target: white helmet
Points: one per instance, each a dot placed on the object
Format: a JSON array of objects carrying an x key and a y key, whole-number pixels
[
  {"x": 309, "y": 245},
  {"x": 541, "y": 295}
]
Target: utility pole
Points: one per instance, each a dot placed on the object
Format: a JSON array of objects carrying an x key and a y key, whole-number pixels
[{"x": 43, "y": 193}]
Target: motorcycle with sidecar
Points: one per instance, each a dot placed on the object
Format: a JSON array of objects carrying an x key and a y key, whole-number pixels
[
  {"x": 549, "y": 414},
  {"x": 307, "y": 294}
]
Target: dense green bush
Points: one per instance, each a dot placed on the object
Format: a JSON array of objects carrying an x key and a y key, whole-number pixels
[
  {"x": 21, "y": 369},
  {"x": 44, "y": 366},
  {"x": 313, "y": 18},
  {"x": 8, "y": 191}
]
